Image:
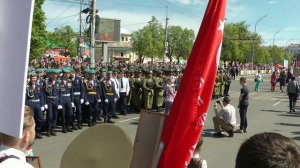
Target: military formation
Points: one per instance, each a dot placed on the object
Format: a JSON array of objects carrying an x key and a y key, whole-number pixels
[{"x": 67, "y": 97}]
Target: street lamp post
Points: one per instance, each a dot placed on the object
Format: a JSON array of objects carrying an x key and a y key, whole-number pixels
[
  {"x": 273, "y": 52},
  {"x": 259, "y": 20}
]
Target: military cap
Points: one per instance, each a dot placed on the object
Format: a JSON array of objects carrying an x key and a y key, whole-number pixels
[
  {"x": 91, "y": 71},
  {"x": 40, "y": 70},
  {"x": 66, "y": 70},
  {"x": 103, "y": 70},
  {"x": 33, "y": 74},
  {"x": 57, "y": 71}
]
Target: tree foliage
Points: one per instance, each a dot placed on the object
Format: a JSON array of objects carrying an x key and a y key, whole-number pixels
[
  {"x": 38, "y": 33},
  {"x": 64, "y": 37},
  {"x": 149, "y": 41},
  {"x": 237, "y": 42},
  {"x": 180, "y": 42}
]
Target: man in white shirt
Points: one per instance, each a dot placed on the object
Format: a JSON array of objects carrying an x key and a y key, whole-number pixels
[
  {"x": 12, "y": 150},
  {"x": 114, "y": 78},
  {"x": 124, "y": 89},
  {"x": 225, "y": 118}
]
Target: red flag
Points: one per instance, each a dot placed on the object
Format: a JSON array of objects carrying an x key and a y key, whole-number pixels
[{"x": 184, "y": 125}]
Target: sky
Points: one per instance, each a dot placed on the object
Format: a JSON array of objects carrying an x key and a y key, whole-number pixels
[{"x": 281, "y": 22}]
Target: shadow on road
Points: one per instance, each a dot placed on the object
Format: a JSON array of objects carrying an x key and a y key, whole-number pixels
[
  {"x": 134, "y": 123},
  {"x": 290, "y": 115},
  {"x": 273, "y": 111},
  {"x": 288, "y": 124}
]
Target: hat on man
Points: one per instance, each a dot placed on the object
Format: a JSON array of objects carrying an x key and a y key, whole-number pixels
[
  {"x": 114, "y": 145},
  {"x": 66, "y": 70}
]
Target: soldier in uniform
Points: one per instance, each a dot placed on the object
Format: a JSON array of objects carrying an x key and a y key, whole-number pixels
[
  {"x": 158, "y": 91},
  {"x": 91, "y": 97},
  {"x": 110, "y": 97},
  {"x": 148, "y": 92},
  {"x": 136, "y": 91},
  {"x": 222, "y": 80},
  {"x": 52, "y": 94},
  {"x": 35, "y": 100},
  {"x": 67, "y": 99},
  {"x": 102, "y": 104},
  {"x": 78, "y": 88},
  {"x": 216, "y": 87}
]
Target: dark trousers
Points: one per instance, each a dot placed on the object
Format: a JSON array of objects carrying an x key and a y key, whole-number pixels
[
  {"x": 108, "y": 113},
  {"x": 38, "y": 115},
  {"x": 93, "y": 112},
  {"x": 78, "y": 113},
  {"x": 123, "y": 103},
  {"x": 243, "y": 116},
  {"x": 226, "y": 90},
  {"x": 52, "y": 113},
  {"x": 292, "y": 100},
  {"x": 67, "y": 112}
]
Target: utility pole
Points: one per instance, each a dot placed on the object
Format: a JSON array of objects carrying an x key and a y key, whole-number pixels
[
  {"x": 166, "y": 36},
  {"x": 92, "y": 59},
  {"x": 80, "y": 30}
]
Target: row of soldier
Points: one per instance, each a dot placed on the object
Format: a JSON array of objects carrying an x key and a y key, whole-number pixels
[
  {"x": 222, "y": 84},
  {"x": 77, "y": 97}
]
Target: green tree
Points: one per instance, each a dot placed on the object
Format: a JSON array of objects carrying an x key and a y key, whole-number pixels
[
  {"x": 38, "y": 32},
  {"x": 149, "y": 41},
  {"x": 180, "y": 42},
  {"x": 237, "y": 42},
  {"x": 65, "y": 37}
]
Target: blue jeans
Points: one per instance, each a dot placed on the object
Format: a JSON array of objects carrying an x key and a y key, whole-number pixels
[{"x": 168, "y": 105}]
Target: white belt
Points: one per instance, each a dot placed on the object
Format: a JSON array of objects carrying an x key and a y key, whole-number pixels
[
  {"x": 65, "y": 94},
  {"x": 36, "y": 100},
  {"x": 76, "y": 93},
  {"x": 52, "y": 97}
]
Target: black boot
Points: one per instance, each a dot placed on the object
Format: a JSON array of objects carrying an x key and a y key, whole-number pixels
[
  {"x": 69, "y": 129},
  {"x": 64, "y": 130},
  {"x": 48, "y": 134},
  {"x": 79, "y": 125},
  {"x": 52, "y": 132},
  {"x": 110, "y": 121},
  {"x": 38, "y": 135},
  {"x": 74, "y": 126}
]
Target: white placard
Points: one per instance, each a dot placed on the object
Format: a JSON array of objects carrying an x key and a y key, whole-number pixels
[{"x": 15, "y": 33}]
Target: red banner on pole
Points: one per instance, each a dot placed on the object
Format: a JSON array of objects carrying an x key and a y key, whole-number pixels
[{"x": 184, "y": 125}]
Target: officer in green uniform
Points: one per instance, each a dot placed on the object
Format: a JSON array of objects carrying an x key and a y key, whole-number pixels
[
  {"x": 222, "y": 80},
  {"x": 216, "y": 86},
  {"x": 148, "y": 91},
  {"x": 136, "y": 91},
  {"x": 158, "y": 90}
]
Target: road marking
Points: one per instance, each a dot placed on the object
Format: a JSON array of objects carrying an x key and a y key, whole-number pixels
[
  {"x": 276, "y": 104},
  {"x": 129, "y": 119}
]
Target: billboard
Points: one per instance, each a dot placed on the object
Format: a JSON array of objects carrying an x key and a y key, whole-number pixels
[{"x": 107, "y": 30}]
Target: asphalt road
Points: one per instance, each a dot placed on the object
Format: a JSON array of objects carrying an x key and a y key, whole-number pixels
[{"x": 267, "y": 113}]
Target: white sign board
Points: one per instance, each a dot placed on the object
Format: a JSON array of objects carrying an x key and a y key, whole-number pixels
[
  {"x": 15, "y": 33},
  {"x": 286, "y": 63}
]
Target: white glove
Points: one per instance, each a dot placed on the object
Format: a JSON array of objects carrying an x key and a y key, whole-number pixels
[
  {"x": 46, "y": 106},
  {"x": 81, "y": 101},
  {"x": 99, "y": 100},
  {"x": 115, "y": 99},
  {"x": 106, "y": 101},
  {"x": 42, "y": 108},
  {"x": 73, "y": 105},
  {"x": 59, "y": 107},
  {"x": 86, "y": 103}
]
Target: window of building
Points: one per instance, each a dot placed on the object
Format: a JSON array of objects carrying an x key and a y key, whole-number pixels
[
  {"x": 122, "y": 54},
  {"x": 123, "y": 39},
  {"x": 126, "y": 38}
]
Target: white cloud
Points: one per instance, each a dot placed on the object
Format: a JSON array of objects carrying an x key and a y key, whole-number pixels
[{"x": 272, "y": 2}]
